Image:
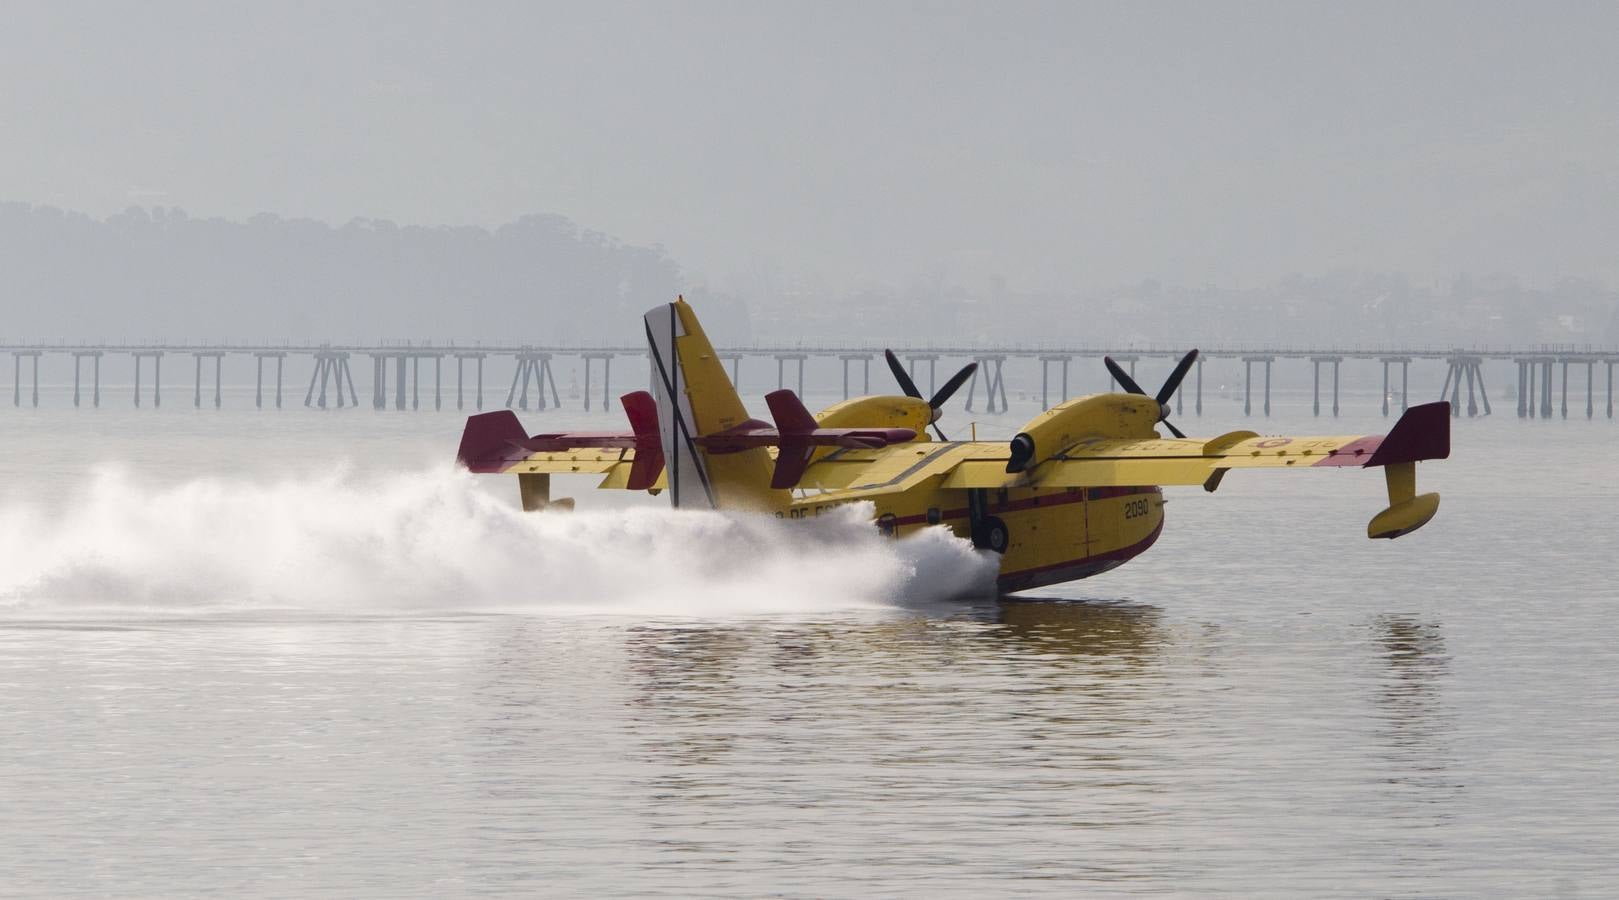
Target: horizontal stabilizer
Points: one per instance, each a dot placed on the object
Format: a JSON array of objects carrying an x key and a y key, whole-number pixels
[
  {"x": 796, "y": 435},
  {"x": 800, "y": 436},
  {"x": 490, "y": 441},
  {"x": 577, "y": 440}
]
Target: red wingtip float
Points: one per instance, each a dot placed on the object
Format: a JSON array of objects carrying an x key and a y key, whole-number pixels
[{"x": 1076, "y": 492}]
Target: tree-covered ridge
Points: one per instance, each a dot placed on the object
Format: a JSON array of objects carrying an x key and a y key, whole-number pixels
[{"x": 159, "y": 273}]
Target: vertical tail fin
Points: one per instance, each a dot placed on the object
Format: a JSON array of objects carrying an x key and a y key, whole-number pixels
[{"x": 696, "y": 398}]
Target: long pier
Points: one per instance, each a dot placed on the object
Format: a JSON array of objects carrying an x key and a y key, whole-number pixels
[{"x": 1542, "y": 387}]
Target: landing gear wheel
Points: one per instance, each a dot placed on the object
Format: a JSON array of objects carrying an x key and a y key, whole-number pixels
[{"x": 996, "y": 537}]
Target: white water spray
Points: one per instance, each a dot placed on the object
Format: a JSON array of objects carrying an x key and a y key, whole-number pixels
[{"x": 434, "y": 541}]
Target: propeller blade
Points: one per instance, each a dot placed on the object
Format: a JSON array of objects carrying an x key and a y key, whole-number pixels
[
  {"x": 1173, "y": 383},
  {"x": 939, "y": 431},
  {"x": 953, "y": 385},
  {"x": 902, "y": 376},
  {"x": 1173, "y": 430},
  {"x": 1123, "y": 377}
]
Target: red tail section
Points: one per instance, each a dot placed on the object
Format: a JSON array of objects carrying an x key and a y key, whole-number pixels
[
  {"x": 643, "y": 412},
  {"x": 796, "y": 437},
  {"x": 1422, "y": 432},
  {"x": 794, "y": 423},
  {"x": 491, "y": 441},
  {"x": 790, "y": 415}
]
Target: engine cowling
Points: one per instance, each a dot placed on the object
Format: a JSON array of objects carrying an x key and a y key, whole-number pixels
[
  {"x": 1068, "y": 423},
  {"x": 878, "y": 412}
]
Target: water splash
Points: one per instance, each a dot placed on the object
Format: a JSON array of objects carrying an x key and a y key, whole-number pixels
[{"x": 434, "y": 540}]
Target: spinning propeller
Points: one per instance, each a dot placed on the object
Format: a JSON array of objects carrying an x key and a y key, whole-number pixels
[
  {"x": 936, "y": 402},
  {"x": 1171, "y": 384}
]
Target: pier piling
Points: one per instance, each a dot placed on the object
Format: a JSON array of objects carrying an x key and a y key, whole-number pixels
[
  {"x": 865, "y": 360},
  {"x": 95, "y": 375},
  {"x": 331, "y": 367},
  {"x": 16, "y": 380},
  {"x": 1200, "y": 385},
  {"x": 1546, "y": 389},
  {"x": 156, "y": 356},
  {"x": 607, "y": 378},
  {"x": 994, "y": 384},
  {"x": 1523, "y": 387},
  {"x": 1565, "y": 388},
  {"x": 932, "y": 359},
  {"x": 1247, "y": 382},
  {"x": 218, "y": 357},
  {"x": 1315, "y": 369},
  {"x": 1045, "y": 362},
  {"x": 533, "y": 368},
  {"x": 258, "y": 381},
  {"x": 460, "y": 361},
  {"x": 781, "y": 362},
  {"x": 1590, "y": 388}
]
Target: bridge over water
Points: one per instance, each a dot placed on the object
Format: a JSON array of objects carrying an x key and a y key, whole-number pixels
[{"x": 1542, "y": 387}]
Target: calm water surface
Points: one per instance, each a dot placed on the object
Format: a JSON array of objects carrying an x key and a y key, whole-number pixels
[{"x": 1264, "y": 704}]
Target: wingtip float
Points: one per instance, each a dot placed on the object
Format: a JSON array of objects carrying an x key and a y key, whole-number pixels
[{"x": 1077, "y": 492}]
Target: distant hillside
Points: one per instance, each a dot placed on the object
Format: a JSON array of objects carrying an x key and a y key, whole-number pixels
[{"x": 161, "y": 274}]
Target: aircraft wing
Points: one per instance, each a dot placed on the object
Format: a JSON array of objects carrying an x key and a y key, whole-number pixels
[
  {"x": 1423, "y": 432},
  {"x": 1102, "y": 463},
  {"x": 897, "y": 467},
  {"x": 1094, "y": 463}
]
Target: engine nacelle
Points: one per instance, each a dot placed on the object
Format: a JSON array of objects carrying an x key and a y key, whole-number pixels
[
  {"x": 1068, "y": 423},
  {"x": 878, "y": 412}
]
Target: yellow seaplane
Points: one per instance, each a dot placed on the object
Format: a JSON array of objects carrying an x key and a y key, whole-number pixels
[{"x": 1075, "y": 493}]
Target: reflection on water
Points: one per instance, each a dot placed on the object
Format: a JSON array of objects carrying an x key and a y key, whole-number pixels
[
  {"x": 1123, "y": 631},
  {"x": 685, "y": 676},
  {"x": 753, "y": 733},
  {"x": 1417, "y": 728}
]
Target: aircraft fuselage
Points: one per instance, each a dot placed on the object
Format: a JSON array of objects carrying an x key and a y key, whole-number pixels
[{"x": 1043, "y": 535}]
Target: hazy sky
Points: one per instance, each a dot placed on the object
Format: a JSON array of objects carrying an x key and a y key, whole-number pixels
[{"x": 1052, "y": 145}]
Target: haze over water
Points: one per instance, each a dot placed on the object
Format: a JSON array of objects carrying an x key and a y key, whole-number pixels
[{"x": 289, "y": 654}]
